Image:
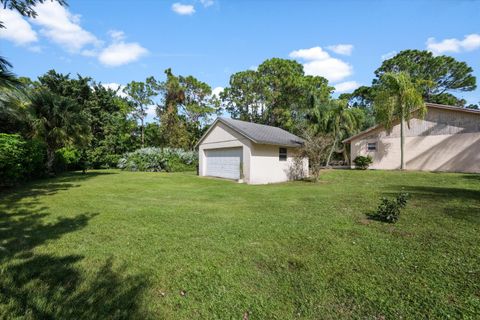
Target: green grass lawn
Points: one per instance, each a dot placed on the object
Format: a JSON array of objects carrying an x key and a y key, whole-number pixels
[{"x": 114, "y": 244}]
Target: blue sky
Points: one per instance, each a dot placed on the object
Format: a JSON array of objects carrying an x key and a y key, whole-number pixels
[{"x": 120, "y": 41}]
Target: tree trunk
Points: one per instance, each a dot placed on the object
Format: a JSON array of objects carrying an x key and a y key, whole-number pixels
[
  {"x": 346, "y": 158},
  {"x": 143, "y": 133},
  {"x": 402, "y": 142},
  {"x": 50, "y": 161},
  {"x": 331, "y": 152}
]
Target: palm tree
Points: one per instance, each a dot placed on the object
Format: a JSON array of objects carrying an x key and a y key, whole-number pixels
[
  {"x": 395, "y": 99},
  {"x": 341, "y": 121},
  {"x": 57, "y": 121},
  {"x": 7, "y": 78}
]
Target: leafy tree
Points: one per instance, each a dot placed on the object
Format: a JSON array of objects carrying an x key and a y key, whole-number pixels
[
  {"x": 57, "y": 121},
  {"x": 186, "y": 107},
  {"x": 114, "y": 132},
  {"x": 197, "y": 106},
  {"x": 198, "y": 103},
  {"x": 153, "y": 135},
  {"x": 473, "y": 106},
  {"x": 315, "y": 148},
  {"x": 243, "y": 99},
  {"x": 7, "y": 79},
  {"x": 436, "y": 76},
  {"x": 337, "y": 119},
  {"x": 173, "y": 129},
  {"x": 342, "y": 122},
  {"x": 278, "y": 93},
  {"x": 141, "y": 95},
  {"x": 396, "y": 98}
]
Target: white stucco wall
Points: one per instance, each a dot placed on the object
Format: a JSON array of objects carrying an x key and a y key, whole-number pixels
[
  {"x": 443, "y": 141},
  {"x": 265, "y": 166},
  {"x": 261, "y": 163}
]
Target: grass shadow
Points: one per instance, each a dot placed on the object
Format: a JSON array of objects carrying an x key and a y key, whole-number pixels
[
  {"x": 49, "y": 287},
  {"x": 46, "y": 286},
  {"x": 469, "y": 210}
]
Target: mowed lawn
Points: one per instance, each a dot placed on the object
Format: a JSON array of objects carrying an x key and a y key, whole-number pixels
[{"x": 112, "y": 244}]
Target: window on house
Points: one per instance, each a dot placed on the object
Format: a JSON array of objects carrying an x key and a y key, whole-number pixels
[
  {"x": 282, "y": 154},
  {"x": 372, "y": 146}
]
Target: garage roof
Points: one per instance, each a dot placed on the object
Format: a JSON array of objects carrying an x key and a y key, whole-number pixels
[{"x": 259, "y": 133}]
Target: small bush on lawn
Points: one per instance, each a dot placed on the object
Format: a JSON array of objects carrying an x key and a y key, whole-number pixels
[
  {"x": 389, "y": 209},
  {"x": 20, "y": 160},
  {"x": 362, "y": 162},
  {"x": 158, "y": 159}
]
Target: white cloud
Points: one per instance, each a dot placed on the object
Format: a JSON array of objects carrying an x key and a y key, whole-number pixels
[
  {"x": 151, "y": 110},
  {"x": 207, "y": 3},
  {"x": 469, "y": 43},
  {"x": 315, "y": 53},
  {"x": 17, "y": 29},
  {"x": 62, "y": 27},
  {"x": 119, "y": 53},
  {"x": 320, "y": 63},
  {"x": 116, "y": 86},
  {"x": 117, "y": 35},
  {"x": 346, "y": 86},
  {"x": 388, "y": 55},
  {"x": 344, "y": 49},
  {"x": 183, "y": 9},
  {"x": 216, "y": 91}
]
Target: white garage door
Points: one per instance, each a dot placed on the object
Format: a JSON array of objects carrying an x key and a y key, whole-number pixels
[{"x": 224, "y": 163}]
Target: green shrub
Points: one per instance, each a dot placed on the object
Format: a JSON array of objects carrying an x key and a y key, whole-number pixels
[
  {"x": 35, "y": 159},
  {"x": 67, "y": 158},
  {"x": 101, "y": 158},
  {"x": 158, "y": 159},
  {"x": 362, "y": 162},
  {"x": 389, "y": 209},
  {"x": 20, "y": 159}
]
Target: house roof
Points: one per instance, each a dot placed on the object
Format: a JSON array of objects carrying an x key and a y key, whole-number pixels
[
  {"x": 258, "y": 133},
  {"x": 428, "y": 104}
]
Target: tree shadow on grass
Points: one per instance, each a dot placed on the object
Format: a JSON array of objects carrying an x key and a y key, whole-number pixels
[
  {"x": 48, "y": 186},
  {"x": 469, "y": 209},
  {"x": 472, "y": 176},
  {"x": 48, "y": 286}
]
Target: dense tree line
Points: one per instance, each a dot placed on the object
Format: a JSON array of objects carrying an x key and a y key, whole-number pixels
[{"x": 76, "y": 122}]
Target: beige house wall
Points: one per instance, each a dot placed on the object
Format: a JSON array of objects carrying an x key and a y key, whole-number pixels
[
  {"x": 267, "y": 168},
  {"x": 261, "y": 163},
  {"x": 445, "y": 140}
]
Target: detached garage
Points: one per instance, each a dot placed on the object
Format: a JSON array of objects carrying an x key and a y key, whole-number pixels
[{"x": 254, "y": 153}]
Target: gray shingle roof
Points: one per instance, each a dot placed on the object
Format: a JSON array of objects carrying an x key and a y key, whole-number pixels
[{"x": 263, "y": 134}]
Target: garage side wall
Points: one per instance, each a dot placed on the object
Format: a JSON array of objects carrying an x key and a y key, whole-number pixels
[
  {"x": 443, "y": 141},
  {"x": 222, "y": 136},
  {"x": 266, "y": 166}
]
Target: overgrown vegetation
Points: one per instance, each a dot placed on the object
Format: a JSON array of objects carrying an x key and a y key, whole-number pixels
[
  {"x": 159, "y": 160},
  {"x": 20, "y": 160},
  {"x": 315, "y": 148},
  {"x": 362, "y": 162}
]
